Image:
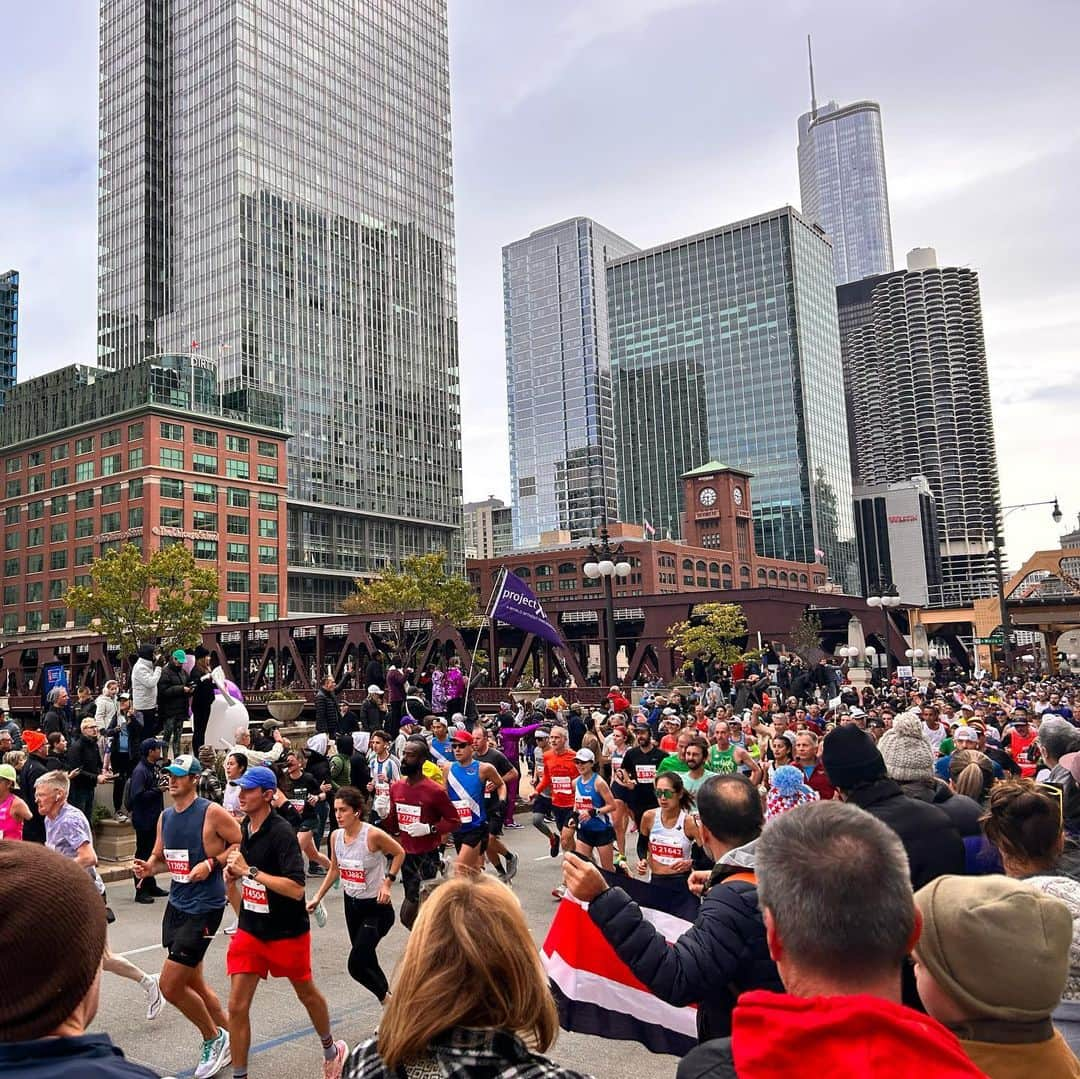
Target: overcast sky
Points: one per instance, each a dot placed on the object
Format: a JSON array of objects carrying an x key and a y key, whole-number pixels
[{"x": 662, "y": 118}]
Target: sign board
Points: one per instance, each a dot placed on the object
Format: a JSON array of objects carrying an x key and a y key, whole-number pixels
[
  {"x": 905, "y": 672},
  {"x": 994, "y": 639}
]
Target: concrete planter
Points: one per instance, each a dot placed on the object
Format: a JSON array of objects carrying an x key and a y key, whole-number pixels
[
  {"x": 114, "y": 842},
  {"x": 285, "y": 711}
]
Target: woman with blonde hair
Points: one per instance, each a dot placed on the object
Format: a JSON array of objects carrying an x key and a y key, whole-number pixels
[{"x": 470, "y": 995}]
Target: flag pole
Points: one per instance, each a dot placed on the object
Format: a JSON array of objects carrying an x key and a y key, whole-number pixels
[{"x": 496, "y": 589}]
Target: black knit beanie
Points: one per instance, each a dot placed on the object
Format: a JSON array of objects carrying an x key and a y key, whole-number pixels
[
  {"x": 53, "y": 931},
  {"x": 850, "y": 756}
]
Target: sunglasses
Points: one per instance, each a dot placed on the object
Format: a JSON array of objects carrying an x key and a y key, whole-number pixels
[
  {"x": 663, "y": 793},
  {"x": 1055, "y": 795}
]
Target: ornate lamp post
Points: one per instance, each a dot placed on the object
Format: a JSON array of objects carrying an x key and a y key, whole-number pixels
[
  {"x": 608, "y": 563},
  {"x": 885, "y": 596}
]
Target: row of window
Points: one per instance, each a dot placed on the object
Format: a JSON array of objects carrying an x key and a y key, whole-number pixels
[
  {"x": 57, "y": 617},
  {"x": 174, "y": 432},
  {"x": 235, "y": 497}
]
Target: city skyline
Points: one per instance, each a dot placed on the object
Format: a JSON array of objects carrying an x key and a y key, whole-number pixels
[{"x": 966, "y": 138}]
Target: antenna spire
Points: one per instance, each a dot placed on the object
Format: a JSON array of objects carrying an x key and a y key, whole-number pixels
[{"x": 813, "y": 92}]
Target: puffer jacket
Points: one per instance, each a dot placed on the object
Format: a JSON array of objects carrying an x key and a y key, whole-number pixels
[
  {"x": 963, "y": 811},
  {"x": 722, "y": 955},
  {"x": 171, "y": 698},
  {"x": 144, "y": 684}
]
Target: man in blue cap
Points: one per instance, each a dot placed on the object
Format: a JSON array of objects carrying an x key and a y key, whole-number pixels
[{"x": 145, "y": 803}]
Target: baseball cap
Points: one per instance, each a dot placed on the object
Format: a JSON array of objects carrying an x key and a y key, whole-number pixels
[
  {"x": 270, "y": 724},
  {"x": 965, "y": 734},
  {"x": 259, "y": 777},
  {"x": 462, "y": 736},
  {"x": 8, "y": 773},
  {"x": 541, "y": 733},
  {"x": 642, "y": 725},
  {"x": 179, "y": 655},
  {"x": 374, "y": 689},
  {"x": 33, "y": 740},
  {"x": 184, "y": 765},
  {"x": 584, "y": 754},
  {"x": 669, "y": 712}
]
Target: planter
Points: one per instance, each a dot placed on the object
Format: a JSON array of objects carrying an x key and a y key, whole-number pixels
[
  {"x": 114, "y": 842},
  {"x": 285, "y": 711}
]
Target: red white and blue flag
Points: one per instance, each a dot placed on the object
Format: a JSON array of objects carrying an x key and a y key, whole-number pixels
[{"x": 597, "y": 993}]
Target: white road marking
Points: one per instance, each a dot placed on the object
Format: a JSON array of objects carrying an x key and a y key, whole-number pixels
[{"x": 139, "y": 951}]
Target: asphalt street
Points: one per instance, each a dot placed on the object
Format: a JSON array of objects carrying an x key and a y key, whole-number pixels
[{"x": 283, "y": 1042}]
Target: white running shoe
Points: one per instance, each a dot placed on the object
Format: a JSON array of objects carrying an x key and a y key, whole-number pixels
[
  {"x": 331, "y": 1069},
  {"x": 155, "y": 1001},
  {"x": 215, "y": 1056}
]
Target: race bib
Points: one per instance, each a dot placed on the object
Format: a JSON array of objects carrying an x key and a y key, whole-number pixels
[
  {"x": 299, "y": 804},
  {"x": 646, "y": 773},
  {"x": 665, "y": 853},
  {"x": 464, "y": 811},
  {"x": 254, "y": 897},
  {"x": 539, "y": 771},
  {"x": 583, "y": 804},
  {"x": 407, "y": 814},
  {"x": 616, "y": 761},
  {"x": 382, "y": 784},
  {"x": 179, "y": 862},
  {"x": 352, "y": 874},
  {"x": 562, "y": 784}
]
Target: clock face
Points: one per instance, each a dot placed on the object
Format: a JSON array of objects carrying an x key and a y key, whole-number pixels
[
  {"x": 707, "y": 496},
  {"x": 737, "y": 495}
]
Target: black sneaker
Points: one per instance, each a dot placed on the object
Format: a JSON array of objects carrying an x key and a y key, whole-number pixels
[
  {"x": 144, "y": 897},
  {"x": 553, "y": 846},
  {"x": 316, "y": 871}
]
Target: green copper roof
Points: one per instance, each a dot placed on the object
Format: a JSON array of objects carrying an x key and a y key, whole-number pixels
[{"x": 710, "y": 467}]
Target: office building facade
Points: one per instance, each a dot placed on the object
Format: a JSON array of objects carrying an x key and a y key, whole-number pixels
[
  {"x": 725, "y": 346},
  {"x": 276, "y": 192},
  {"x": 896, "y": 527},
  {"x": 558, "y": 379},
  {"x": 148, "y": 455},
  {"x": 843, "y": 186},
  {"x": 919, "y": 394},
  {"x": 488, "y": 529},
  {"x": 9, "y": 331}
]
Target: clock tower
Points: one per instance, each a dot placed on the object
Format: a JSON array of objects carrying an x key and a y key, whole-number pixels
[{"x": 717, "y": 510}]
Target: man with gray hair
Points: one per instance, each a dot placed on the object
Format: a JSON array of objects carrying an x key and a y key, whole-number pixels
[
  {"x": 1058, "y": 738},
  {"x": 840, "y": 921}
]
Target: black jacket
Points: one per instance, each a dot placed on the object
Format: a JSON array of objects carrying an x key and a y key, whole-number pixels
[
  {"x": 723, "y": 954},
  {"x": 172, "y": 701},
  {"x": 933, "y": 844},
  {"x": 711, "y": 1060},
  {"x": 963, "y": 811},
  {"x": 147, "y": 801},
  {"x": 372, "y": 717},
  {"x": 326, "y": 713},
  {"x": 202, "y": 695},
  {"x": 34, "y": 768},
  {"x": 85, "y": 754}
]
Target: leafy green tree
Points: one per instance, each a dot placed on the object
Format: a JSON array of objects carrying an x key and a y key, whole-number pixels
[
  {"x": 806, "y": 637},
  {"x": 422, "y": 584},
  {"x": 133, "y": 600},
  {"x": 714, "y": 630}
]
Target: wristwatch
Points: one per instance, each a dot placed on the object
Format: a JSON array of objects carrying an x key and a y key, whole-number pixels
[
  {"x": 391, "y": 877},
  {"x": 252, "y": 873}
]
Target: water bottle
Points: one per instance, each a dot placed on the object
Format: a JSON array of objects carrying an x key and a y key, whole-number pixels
[{"x": 320, "y": 915}]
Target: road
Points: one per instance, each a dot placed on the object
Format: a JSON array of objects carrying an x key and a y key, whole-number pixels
[{"x": 283, "y": 1042}]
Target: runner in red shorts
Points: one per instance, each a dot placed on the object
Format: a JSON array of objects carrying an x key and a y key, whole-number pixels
[{"x": 266, "y": 889}]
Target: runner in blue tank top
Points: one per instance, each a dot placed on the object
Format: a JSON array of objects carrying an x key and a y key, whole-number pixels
[
  {"x": 467, "y": 780},
  {"x": 193, "y": 836},
  {"x": 593, "y": 806}
]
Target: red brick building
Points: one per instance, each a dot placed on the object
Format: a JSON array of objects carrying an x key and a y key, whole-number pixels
[
  {"x": 149, "y": 455},
  {"x": 718, "y": 552}
]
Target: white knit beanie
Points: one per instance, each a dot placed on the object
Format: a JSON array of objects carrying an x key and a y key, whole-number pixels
[{"x": 906, "y": 751}]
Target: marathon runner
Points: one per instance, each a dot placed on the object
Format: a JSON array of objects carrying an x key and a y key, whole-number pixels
[
  {"x": 615, "y": 747},
  {"x": 593, "y": 806},
  {"x": 441, "y": 750},
  {"x": 266, "y": 889},
  {"x": 302, "y": 793},
  {"x": 193, "y": 837},
  {"x": 541, "y": 803},
  {"x": 495, "y": 804},
  {"x": 671, "y": 829},
  {"x": 358, "y": 854},
  {"x": 560, "y": 774},
  {"x": 14, "y": 812},
  {"x": 422, "y": 816},
  {"x": 639, "y": 774},
  {"x": 384, "y": 771},
  {"x": 466, "y": 780}
]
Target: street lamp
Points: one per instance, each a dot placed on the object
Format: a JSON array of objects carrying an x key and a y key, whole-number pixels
[
  {"x": 886, "y": 597},
  {"x": 608, "y": 563}
]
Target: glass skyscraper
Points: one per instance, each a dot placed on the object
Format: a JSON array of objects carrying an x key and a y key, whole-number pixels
[
  {"x": 558, "y": 379},
  {"x": 725, "y": 346},
  {"x": 9, "y": 331},
  {"x": 276, "y": 192},
  {"x": 843, "y": 186}
]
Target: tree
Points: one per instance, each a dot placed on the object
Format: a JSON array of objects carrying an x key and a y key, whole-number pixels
[
  {"x": 133, "y": 601},
  {"x": 713, "y": 631},
  {"x": 806, "y": 637},
  {"x": 422, "y": 584}
]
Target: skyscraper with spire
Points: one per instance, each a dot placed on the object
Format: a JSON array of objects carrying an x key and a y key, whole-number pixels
[{"x": 842, "y": 182}]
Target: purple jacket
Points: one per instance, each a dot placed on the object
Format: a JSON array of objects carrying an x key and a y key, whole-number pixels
[{"x": 509, "y": 737}]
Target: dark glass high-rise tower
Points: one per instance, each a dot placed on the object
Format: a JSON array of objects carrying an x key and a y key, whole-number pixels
[
  {"x": 276, "y": 192},
  {"x": 9, "y": 331}
]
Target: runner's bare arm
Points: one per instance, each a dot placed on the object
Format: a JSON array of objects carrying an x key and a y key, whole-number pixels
[
  {"x": 609, "y": 802},
  {"x": 224, "y": 832},
  {"x": 332, "y": 874},
  {"x": 389, "y": 846}
]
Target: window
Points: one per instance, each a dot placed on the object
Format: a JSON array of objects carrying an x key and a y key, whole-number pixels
[
  {"x": 267, "y": 556},
  {"x": 171, "y": 516},
  {"x": 171, "y": 488},
  {"x": 205, "y": 549},
  {"x": 204, "y": 438},
  {"x": 567, "y": 584},
  {"x": 57, "y": 587},
  {"x": 84, "y": 556},
  {"x": 268, "y": 500},
  {"x": 204, "y": 462},
  {"x": 135, "y": 431},
  {"x": 84, "y": 527},
  {"x": 59, "y": 453},
  {"x": 11, "y": 624},
  {"x": 109, "y": 545},
  {"x": 110, "y": 522},
  {"x": 83, "y": 580},
  {"x": 171, "y": 458},
  {"x": 35, "y": 483},
  {"x": 236, "y": 581},
  {"x": 111, "y": 465},
  {"x": 35, "y": 563},
  {"x": 11, "y": 594},
  {"x": 84, "y": 500},
  {"x": 135, "y": 458},
  {"x": 235, "y": 611},
  {"x": 11, "y": 515},
  {"x": 35, "y": 458},
  {"x": 35, "y": 510},
  {"x": 204, "y": 492},
  {"x": 33, "y": 620},
  {"x": 35, "y": 591},
  {"x": 13, "y": 464},
  {"x": 236, "y": 526},
  {"x": 58, "y": 560},
  {"x": 544, "y": 586},
  {"x": 238, "y": 498},
  {"x": 236, "y": 444},
  {"x": 267, "y": 449},
  {"x": 204, "y": 520},
  {"x": 13, "y": 489},
  {"x": 268, "y": 583},
  {"x": 267, "y": 473},
  {"x": 543, "y": 571},
  {"x": 58, "y": 533},
  {"x": 522, "y": 571},
  {"x": 567, "y": 567},
  {"x": 135, "y": 517},
  {"x": 135, "y": 488},
  {"x": 110, "y": 493},
  {"x": 12, "y": 567},
  {"x": 58, "y": 478},
  {"x": 172, "y": 432},
  {"x": 268, "y": 528},
  {"x": 84, "y": 445},
  {"x": 688, "y": 563},
  {"x": 237, "y": 552},
  {"x": 11, "y": 541},
  {"x": 268, "y": 612},
  {"x": 58, "y": 616},
  {"x": 110, "y": 438},
  {"x": 84, "y": 470},
  {"x": 237, "y": 470},
  {"x": 35, "y": 537}
]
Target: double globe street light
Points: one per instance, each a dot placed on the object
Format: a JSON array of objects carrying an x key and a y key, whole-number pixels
[
  {"x": 608, "y": 564},
  {"x": 885, "y": 596}
]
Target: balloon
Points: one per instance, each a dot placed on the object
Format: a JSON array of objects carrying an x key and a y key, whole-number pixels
[
  {"x": 188, "y": 664},
  {"x": 226, "y": 713}
]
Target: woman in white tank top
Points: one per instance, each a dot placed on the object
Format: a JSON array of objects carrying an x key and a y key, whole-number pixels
[
  {"x": 671, "y": 829},
  {"x": 358, "y": 853}
]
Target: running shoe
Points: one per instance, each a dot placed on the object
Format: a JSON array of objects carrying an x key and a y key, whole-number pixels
[
  {"x": 511, "y": 866},
  {"x": 315, "y": 870},
  {"x": 215, "y": 1056},
  {"x": 444, "y": 867},
  {"x": 231, "y": 929},
  {"x": 513, "y": 824},
  {"x": 553, "y": 846},
  {"x": 331, "y": 1069},
  {"x": 559, "y": 892},
  {"x": 155, "y": 1001}
]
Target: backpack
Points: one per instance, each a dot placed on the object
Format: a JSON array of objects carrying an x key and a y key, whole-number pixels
[{"x": 125, "y": 797}]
